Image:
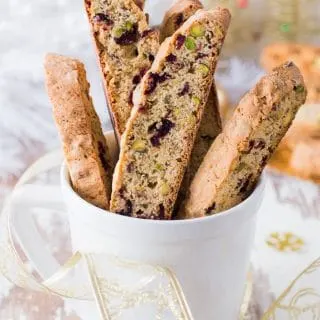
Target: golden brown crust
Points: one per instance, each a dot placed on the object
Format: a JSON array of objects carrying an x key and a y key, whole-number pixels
[
  {"x": 125, "y": 47},
  {"x": 236, "y": 159},
  {"x": 160, "y": 133},
  {"x": 84, "y": 145}
]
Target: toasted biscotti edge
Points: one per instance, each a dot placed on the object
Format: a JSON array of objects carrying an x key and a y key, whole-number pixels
[
  {"x": 246, "y": 143},
  {"x": 85, "y": 150}
]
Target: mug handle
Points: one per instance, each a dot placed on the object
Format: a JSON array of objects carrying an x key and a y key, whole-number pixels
[{"x": 21, "y": 221}]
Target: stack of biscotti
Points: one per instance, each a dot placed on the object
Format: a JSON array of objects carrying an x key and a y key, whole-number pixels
[
  {"x": 306, "y": 57},
  {"x": 172, "y": 107},
  {"x": 210, "y": 125}
]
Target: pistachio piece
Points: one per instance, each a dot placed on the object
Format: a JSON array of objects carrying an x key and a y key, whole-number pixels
[
  {"x": 197, "y": 30},
  {"x": 159, "y": 167},
  {"x": 139, "y": 146},
  {"x": 190, "y": 43},
  {"x": 176, "y": 112},
  {"x": 118, "y": 32},
  {"x": 165, "y": 189},
  {"x": 299, "y": 88},
  {"x": 196, "y": 100},
  {"x": 128, "y": 25},
  {"x": 203, "y": 69}
]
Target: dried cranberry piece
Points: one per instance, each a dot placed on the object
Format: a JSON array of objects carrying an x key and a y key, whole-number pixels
[
  {"x": 154, "y": 79},
  {"x": 102, "y": 18},
  {"x": 171, "y": 58},
  {"x": 257, "y": 144},
  {"x": 151, "y": 83},
  {"x": 161, "y": 130},
  {"x": 152, "y": 127},
  {"x": 130, "y": 167},
  {"x": 179, "y": 19},
  {"x": 146, "y": 33},
  {"x": 136, "y": 79},
  {"x": 201, "y": 55},
  {"x": 161, "y": 212},
  {"x": 128, "y": 210},
  {"x": 185, "y": 89},
  {"x": 142, "y": 108},
  {"x": 264, "y": 161},
  {"x": 244, "y": 184},
  {"x": 130, "y": 99},
  {"x": 129, "y": 36},
  {"x": 180, "y": 41},
  {"x": 211, "y": 208},
  {"x": 102, "y": 156}
]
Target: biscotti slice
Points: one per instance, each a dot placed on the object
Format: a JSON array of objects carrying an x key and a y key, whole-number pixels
[
  {"x": 160, "y": 133},
  {"x": 177, "y": 15},
  {"x": 237, "y": 157},
  {"x": 210, "y": 125},
  {"x": 126, "y": 48},
  {"x": 84, "y": 144}
]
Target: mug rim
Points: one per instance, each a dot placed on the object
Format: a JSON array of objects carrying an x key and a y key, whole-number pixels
[{"x": 65, "y": 183}]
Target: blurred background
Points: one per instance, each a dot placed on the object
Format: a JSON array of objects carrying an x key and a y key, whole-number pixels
[{"x": 30, "y": 29}]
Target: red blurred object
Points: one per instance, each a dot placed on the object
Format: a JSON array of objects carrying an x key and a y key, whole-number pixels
[{"x": 242, "y": 3}]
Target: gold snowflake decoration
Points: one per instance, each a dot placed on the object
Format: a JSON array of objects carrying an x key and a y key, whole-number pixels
[{"x": 285, "y": 241}]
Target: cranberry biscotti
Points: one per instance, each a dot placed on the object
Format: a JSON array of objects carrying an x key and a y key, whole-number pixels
[
  {"x": 236, "y": 159},
  {"x": 126, "y": 48},
  {"x": 210, "y": 125},
  {"x": 84, "y": 144},
  {"x": 160, "y": 133}
]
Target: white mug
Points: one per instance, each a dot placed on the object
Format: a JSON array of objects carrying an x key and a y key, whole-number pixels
[{"x": 210, "y": 256}]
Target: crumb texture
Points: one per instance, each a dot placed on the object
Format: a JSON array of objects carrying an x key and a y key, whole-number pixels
[
  {"x": 126, "y": 48},
  {"x": 210, "y": 125},
  {"x": 236, "y": 159},
  {"x": 161, "y": 131},
  {"x": 84, "y": 144}
]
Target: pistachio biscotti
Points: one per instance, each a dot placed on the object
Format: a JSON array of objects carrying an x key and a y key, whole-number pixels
[
  {"x": 126, "y": 48},
  {"x": 210, "y": 125},
  {"x": 160, "y": 133},
  {"x": 84, "y": 145},
  {"x": 236, "y": 159}
]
